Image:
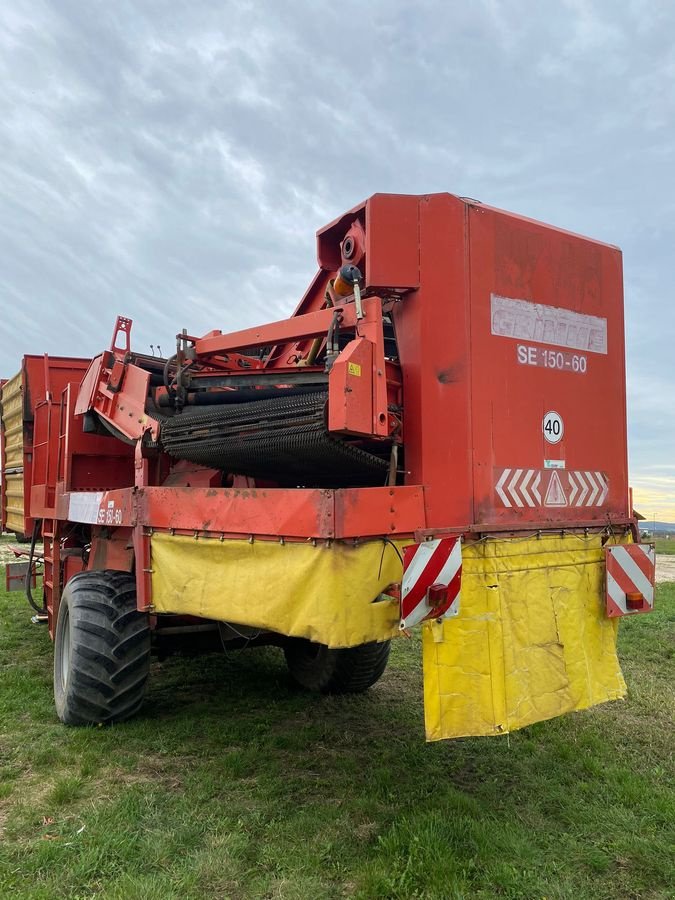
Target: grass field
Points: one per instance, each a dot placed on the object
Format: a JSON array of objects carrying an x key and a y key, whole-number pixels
[
  {"x": 665, "y": 546},
  {"x": 233, "y": 784}
]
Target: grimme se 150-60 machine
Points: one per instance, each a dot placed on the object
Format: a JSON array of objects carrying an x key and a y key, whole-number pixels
[{"x": 437, "y": 435}]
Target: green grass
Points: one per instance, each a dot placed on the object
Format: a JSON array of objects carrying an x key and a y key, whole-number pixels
[
  {"x": 232, "y": 784},
  {"x": 665, "y": 546}
]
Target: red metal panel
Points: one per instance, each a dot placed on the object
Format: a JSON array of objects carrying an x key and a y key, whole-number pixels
[
  {"x": 111, "y": 549},
  {"x": 547, "y": 355},
  {"x": 351, "y": 389},
  {"x": 143, "y": 560},
  {"x": 266, "y": 511},
  {"x": 89, "y": 384},
  {"x": 90, "y": 461},
  {"x": 44, "y": 380},
  {"x": 348, "y": 387},
  {"x": 125, "y": 410},
  {"x": 366, "y": 512},
  {"x": 329, "y": 237},
  {"x": 392, "y": 242},
  {"x": 432, "y": 330},
  {"x": 48, "y": 375},
  {"x": 371, "y": 327}
]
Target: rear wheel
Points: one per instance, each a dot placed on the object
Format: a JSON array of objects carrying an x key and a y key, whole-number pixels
[
  {"x": 101, "y": 650},
  {"x": 345, "y": 671}
]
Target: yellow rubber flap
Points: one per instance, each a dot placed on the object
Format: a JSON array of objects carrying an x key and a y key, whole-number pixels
[
  {"x": 532, "y": 640},
  {"x": 324, "y": 593}
]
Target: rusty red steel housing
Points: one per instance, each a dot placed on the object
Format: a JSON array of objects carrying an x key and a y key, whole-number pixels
[{"x": 440, "y": 361}]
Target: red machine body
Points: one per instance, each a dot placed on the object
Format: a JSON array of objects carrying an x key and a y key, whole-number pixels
[{"x": 477, "y": 360}]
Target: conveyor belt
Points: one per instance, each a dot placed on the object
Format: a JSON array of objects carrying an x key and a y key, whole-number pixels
[{"x": 283, "y": 439}]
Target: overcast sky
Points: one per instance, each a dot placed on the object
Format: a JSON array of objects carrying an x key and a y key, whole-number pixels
[{"x": 171, "y": 161}]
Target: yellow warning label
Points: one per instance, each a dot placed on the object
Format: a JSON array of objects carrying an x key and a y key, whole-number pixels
[{"x": 354, "y": 369}]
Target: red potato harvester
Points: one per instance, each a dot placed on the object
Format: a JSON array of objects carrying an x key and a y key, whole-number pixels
[{"x": 436, "y": 436}]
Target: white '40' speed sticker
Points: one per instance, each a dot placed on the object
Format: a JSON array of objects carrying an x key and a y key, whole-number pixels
[{"x": 553, "y": 427}]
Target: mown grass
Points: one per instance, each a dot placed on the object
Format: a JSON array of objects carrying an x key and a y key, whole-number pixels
[{"x": 233, "y": 784}]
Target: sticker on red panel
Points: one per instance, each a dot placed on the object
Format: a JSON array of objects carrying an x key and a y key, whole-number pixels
[
  {"x": 630, "y": 576},
  {"x": 553, "y": 427},
  {"x": 544, "y": 324},
  {"x": 550, "y": 487},
  {"x": 432, "y": 573}
]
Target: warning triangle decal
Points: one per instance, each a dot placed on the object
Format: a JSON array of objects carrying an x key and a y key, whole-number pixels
[{"x": 555, "y": 495}]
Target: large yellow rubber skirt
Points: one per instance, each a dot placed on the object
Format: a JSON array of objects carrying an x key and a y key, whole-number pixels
[
  {"x": 327, "y": 593},
  {"x": 532, "y": 639}
]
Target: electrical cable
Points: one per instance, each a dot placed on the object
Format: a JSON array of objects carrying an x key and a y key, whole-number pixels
[{"x": 386, "y": 541}]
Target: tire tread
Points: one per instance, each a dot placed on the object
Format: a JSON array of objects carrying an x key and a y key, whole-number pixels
[
  {"x": 110, "y": 650},
  {"x": 342, "y": 671}
]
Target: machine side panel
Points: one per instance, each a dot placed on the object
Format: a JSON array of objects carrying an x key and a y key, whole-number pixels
[
  {"x": 432, "y": 331},
  {"x": 392, "y": 241},
  {"x": 548, "y": 374}
]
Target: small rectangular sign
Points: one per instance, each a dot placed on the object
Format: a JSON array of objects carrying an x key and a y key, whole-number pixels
[
  {"x": 83, "y": 506},
  {"x": 15, "y": 576},
  {"x": 629, "y": 579},
  {"x": 541, "y": 324}
]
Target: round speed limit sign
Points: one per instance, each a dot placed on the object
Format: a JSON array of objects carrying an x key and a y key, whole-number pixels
[{"x": 553, "y": 427}]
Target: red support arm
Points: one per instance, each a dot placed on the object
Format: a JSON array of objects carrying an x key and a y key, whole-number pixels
[{"x": 296, "y": 328}]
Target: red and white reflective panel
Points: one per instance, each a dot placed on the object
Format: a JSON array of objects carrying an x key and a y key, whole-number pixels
[
  {"x": 432, "y": 574},
  {"x": 630, "y": 579},
  {"x": 550, "y": 487}
]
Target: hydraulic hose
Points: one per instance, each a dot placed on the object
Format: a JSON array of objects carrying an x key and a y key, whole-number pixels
[
  {"x": 29, "y": 574},
  {"x": 167, "y": 365}
]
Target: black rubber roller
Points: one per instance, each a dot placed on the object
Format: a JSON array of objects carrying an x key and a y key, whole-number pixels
[{"x": 282, "y": 439}]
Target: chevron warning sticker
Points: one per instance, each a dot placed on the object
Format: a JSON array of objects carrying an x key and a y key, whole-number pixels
[
  {"x": 550, "y": 488},
  {"x": 630, "y": 579},
  {"x": 432, "y": 574}
]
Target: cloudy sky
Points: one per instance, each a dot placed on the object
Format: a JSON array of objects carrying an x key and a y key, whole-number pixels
[{"x": 171, "y": 161}]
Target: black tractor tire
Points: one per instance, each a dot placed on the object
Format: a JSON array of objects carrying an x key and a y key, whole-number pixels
[
  {"x": 349, "y": 671},
  {"x": 101, "y": 650}
]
